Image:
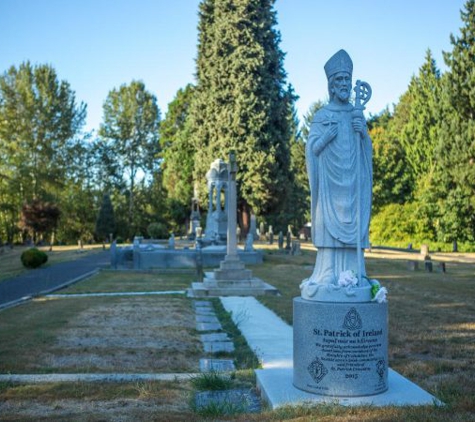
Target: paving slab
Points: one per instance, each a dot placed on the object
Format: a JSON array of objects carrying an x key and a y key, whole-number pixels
[
  {"x": 217, "y": 365},
  {"x": 229, "y": 401},
  {"x": 206, "y": 318},
  {"x": 214, "y": 337},
  {"x": 218, "y": 346},
  {"x": 208, "y": 326},
  {"x": 205, "y": 311}
]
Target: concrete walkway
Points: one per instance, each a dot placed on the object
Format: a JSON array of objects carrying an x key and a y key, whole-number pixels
[
  {"x": 267, "y": 334},
  {"x": 272, "y": 340},
  {"x": 44, "y": 280}
]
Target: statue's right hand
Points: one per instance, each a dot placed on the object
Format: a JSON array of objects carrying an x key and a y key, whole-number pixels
[{"x": 330, "y": 134}]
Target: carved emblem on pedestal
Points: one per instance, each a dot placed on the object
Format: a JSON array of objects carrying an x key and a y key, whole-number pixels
[
  {"x": 381, "y": 368},
  {"x": 352, "y": 320},
  {"x": 317, "y": 370}
]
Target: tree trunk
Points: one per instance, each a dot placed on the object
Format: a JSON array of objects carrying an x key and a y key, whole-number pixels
[
  {"x": 244, "y": 217},
  {"x": 131, "y": 229}
]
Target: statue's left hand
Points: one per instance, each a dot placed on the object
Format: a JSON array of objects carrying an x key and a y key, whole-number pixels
[{"x": 359, "y": 125}]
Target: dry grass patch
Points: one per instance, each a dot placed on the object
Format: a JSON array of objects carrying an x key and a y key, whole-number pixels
[
  {"x": 130, "y": 281},
  {"x": 133, "y": 334},
  {"x": 141, "y": 401}
]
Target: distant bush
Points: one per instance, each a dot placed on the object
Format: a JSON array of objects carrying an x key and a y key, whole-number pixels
[
  {"x": 405, "y": 223},
  {"x": 398, "y": 226},
  {"x": 33, "y": 258},
  {"x": 158, "y": 231}
]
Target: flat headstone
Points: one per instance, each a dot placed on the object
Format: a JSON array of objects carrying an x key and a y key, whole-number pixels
[
  {"x": 202, "y": 304},
  {"x": 424, "y": 249},
  {"x": 207, "y": 318},
  {"x": 205, "y": 311},
  {"x": 229, "y": 400},
  {"x": 214, "y": 337},
  {"x": 218, "y": 346},
  {"x": 428, "y": 266},
  {"x": 441, "y": 267},
  {"x": 208, "y": 326},
  {"x": 217, "y": 365}
]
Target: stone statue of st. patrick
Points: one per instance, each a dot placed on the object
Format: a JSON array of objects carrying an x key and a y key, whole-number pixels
[{"x": 339, "y": 165}]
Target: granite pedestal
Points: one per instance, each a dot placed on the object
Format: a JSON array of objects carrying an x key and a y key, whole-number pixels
[{"x": 340, "y": 349}]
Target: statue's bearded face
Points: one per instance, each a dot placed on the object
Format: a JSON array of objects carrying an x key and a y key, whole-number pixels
[{"x": 341, "y": 87}]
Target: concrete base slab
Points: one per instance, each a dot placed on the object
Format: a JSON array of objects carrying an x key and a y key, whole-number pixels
[{"x": 276, "y": 388}]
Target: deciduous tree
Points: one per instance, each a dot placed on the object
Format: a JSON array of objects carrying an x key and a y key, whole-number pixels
[
  {"x": 39, "y": 121},
  {"x": 130, "y": 134}
]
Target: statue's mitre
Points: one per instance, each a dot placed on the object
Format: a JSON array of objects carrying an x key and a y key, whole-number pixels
[{"x": 339, "y": 62}]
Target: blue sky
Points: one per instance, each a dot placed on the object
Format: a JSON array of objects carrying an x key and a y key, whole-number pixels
[{"x": 97, "y": 45}]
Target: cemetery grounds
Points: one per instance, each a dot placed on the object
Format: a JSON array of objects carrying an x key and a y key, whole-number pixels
[{"x": 431, "y": 342}]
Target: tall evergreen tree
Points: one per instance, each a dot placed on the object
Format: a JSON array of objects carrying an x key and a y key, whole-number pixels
[
  {"x": 178, "y": 152},
  {"x": 419, "y": 134},
  {"x": 456, "y": 149},
  {"x": 241, "y": 101},
  {"x": 105, "y": 223}
]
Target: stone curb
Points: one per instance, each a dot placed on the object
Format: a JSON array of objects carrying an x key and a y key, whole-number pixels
[
  {"x": 47, "y": 378},
  {"x": 155, "y": 293}
]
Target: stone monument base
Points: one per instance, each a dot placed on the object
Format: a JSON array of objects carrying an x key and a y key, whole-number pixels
[
  {"x": 231, "y": 279},
  {"x": 256, "y": 288},
  {"x": 340, "y": 349}
]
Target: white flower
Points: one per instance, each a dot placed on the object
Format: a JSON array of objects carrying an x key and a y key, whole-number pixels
[
  {"x": 380, "y": 295},
  {"x": 347, "y": 278}
]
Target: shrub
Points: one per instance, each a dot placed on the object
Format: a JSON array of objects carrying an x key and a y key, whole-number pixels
[
  {"x": 395, "y": 223},
  {"x": 33, "y": 258}
]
